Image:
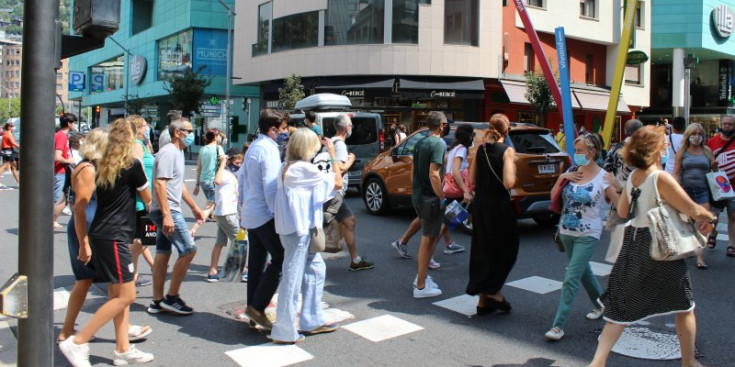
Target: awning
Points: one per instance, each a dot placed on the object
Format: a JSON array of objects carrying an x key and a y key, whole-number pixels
[
  {"x": 516, "y": 92},
  {"x": 593, "y": 100},
  {"x": 357, "y": 87},
  {"x": 442, "y": 88}
]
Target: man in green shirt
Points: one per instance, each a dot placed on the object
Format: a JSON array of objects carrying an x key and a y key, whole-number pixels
[
  {"x": 428, "y": 198},
  {"x": 310, "y": 120}
]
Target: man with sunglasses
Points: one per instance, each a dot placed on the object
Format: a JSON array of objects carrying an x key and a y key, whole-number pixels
[{"x": 166, "y": 214}]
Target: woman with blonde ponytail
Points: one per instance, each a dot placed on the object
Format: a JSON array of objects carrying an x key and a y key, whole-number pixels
[{"x": 119, "y": 178}]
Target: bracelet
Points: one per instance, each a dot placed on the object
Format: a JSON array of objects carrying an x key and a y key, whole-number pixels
[{"x": 333, "y": 160}]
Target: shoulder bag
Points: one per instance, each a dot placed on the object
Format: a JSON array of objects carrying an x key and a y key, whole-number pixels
[
  {"x": 675, "y": 236},
  {"x": 318, "y": 241}
]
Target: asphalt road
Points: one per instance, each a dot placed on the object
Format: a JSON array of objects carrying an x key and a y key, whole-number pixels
[{"x": 427, "y": 335}]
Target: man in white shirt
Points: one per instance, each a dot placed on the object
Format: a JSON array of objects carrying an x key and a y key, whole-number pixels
[
  {"x": 257, "y": 179},
  {"x": 674, "y": 139}
]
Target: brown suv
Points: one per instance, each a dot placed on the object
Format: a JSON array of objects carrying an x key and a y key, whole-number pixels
[{"x": 386, "y": 180}]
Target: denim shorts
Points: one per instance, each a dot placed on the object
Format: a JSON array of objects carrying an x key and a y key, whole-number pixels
[
  {"x": 227, "y": 227},
  {"x": 59, "y": 181},
  {"x": 699, "y": 195},
  {"x": 181, "y": 238},
  {"x": 208, "y": 189}
]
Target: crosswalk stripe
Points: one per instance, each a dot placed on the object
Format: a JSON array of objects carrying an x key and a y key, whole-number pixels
[
  {"x": 8, "y": 346},
  {"x": 269, "y": 355},
  {"x": 464, "y": 304},
  {"x": 382, "y": 328},
  {"x": 536, "y": 284}
]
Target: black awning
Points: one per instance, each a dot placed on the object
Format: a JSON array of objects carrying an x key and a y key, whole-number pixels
[
  {"x": 356, "y": 87},
  {"x": 270, "y": 89},
  {"x": 441, "y": 88}
]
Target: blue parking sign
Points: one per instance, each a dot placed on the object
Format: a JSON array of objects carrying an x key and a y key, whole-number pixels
[
  {"x": 76, "y": 81},
  {"x": 97, "y": 83}
]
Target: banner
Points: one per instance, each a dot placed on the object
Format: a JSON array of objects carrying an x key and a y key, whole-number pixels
[
  {"x": 566, "y": 91},
  {"x": 619, "y": 73}
]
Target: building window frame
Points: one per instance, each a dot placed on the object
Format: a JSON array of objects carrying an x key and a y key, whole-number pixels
[
  {"x": 640, "y": 15},
  {"x": 588, "y": 9},
  {"x": 639, "y": 70},
  {"x": 536, "y": 4},
  {"x": 451, "y": 23},
  {"x": 529, "y": 58},
  {"x": 263, "y": 35}
]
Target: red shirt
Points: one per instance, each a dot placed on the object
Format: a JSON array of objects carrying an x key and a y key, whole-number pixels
[
  {"x": 726, "y": 159},
  {"x": 61, "y": 142},
  {"x": 8, "y": 140}
]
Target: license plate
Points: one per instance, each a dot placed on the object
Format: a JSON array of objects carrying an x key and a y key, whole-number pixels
[
  {"x": 544, "y": 169},
  {"x": 356, "y": 173}
]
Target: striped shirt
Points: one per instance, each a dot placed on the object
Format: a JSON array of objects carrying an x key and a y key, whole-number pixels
[
  {"x": 726, "y": 159},
  {"x": 614, "y": 163}
]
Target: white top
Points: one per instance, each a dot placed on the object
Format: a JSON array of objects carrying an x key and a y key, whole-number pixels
[
  {"x": 676, "y": 140},
  {"x": 584, "y": 207},
  {"x": 458, "y": 151},
  {"x": 646, "y": 201},
  {"x": 257, "y": 178},
  {"x": 402, "y": 136},
  {"x": 75, "y": 156},
  {"x": 225, "y": 194},
  {"x": 300, "y": 197}
]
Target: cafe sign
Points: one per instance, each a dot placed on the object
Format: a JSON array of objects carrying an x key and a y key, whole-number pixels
[
  {"x": 636, "y": 57},
  {"x": 353, "y": 93},
  {"x": 443, "y": 94},
  {"x": 722, "y": 20}
]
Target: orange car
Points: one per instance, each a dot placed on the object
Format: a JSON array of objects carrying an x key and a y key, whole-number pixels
[{"x": 386, "y": 180}]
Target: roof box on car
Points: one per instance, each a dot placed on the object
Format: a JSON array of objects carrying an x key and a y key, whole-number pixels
[{"x": 323, "y": 101}]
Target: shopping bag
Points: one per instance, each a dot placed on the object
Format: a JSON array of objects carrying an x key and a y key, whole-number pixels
[
  {"x": 237, "y": 254},
  {"x": 617, "y": 234},
  {"x": 334, "y": 237},
  {"x": 719, "y": 186}
]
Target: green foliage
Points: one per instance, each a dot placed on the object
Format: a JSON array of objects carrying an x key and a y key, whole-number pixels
[
  {"x": 186, "y": 90},
  {"x": 538, "y": 94},
  {"x": 292, "y": 92},
  {"x": 15, "y": 108},
  {"x": 14, "y": 9},
  {"x": 135, "y": 105}
]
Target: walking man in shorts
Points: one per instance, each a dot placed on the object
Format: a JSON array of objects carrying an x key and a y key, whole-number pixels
[
  {"x": 166, "y": 214},
  {"x": 428, "y": 199}
]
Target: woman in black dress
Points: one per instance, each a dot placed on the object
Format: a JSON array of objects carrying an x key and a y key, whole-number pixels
[{"x": 495, "y": 235}]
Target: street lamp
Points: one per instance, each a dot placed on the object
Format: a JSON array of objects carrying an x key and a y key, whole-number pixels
[
  {"x": 228, "y": 81},
  {"x": 127, "y": 70},
  {"x": 10, "y": 99}
]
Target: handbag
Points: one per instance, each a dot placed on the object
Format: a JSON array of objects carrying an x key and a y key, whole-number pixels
[
  {"x": 675, "y": 236},
  {"x": 318, "y": 241},
  {"x": 450, "y": 187},
  {"x": 718, "y": 204},
  {"x": 334, "y": 237},
  {"x": 719, "y": 186},
  {"x": 149, "y": 231},
  {"x": 556, "y": 200}
]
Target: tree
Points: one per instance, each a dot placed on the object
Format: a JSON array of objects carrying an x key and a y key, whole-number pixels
[
  {"x": 135, "y": 105},
  {"x": 15, "y": 108},
  {"x": 186, "y": 90},
  {"x": 539, "y": 95},
  {"x": 292, "y": 92}
]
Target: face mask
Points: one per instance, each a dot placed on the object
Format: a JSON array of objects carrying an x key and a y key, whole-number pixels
[
  {"x": 189, "y": 139},
  {"x": 224, "y": 142},
  {"x": 695, "y": 140},
  {"x": 581, "y": 159},
  {"x": 147, "y": 133},
  {"x": 665, "y": 158},
  {"x": 349, "y": 133},
  {"x": 282, "y": 137},
  {"x": 727, "y": 133},
  {"x": 233, "y": 167}
]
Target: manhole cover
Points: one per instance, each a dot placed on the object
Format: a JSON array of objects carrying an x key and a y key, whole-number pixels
[{"x": 644, "y": 343}]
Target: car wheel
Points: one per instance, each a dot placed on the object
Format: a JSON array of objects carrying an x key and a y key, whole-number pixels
[
  {"x": 546, "y": 219},
  {"x": 374, "y": 196}
]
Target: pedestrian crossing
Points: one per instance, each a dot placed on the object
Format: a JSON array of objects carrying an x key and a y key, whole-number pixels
[{"x": 8, "y": 345}]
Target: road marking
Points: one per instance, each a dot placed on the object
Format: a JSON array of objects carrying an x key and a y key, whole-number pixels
[
  {"x": 722, "y": 227},
  {"x": 536, "y": 284},
  {"x": 8, "y": 346},
  {"x": 61, "y": 298},
  {"x": 382, "y": 328},
  {"x": 464, "y": 304},
  {"x": 190, "y": 180},
  {"x": 269, "y": 355},
  {"x": 644, "y": 343},
  {"x": 600, "y": 269}
]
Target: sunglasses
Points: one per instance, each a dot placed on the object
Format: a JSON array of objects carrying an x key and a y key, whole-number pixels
[{"x": 188, "y": 131}]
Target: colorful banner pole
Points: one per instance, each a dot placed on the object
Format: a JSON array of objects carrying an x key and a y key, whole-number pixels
[
  {"x": 539, "y": 51},
  {"x": 566, "y": 90},
  {"x": 617, "y": 84}
]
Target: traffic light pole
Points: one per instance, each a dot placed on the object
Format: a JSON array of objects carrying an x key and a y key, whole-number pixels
[{"x": 36, "y": 237}]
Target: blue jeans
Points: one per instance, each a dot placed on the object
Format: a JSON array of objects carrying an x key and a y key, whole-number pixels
[
  {"x": 208, "y": 189},
  {"x": 181, "y": 238},
  {"x": 59, "y": 181},
  {"x": 579, "y": 250},
  {"x": 304, "y": 273}
]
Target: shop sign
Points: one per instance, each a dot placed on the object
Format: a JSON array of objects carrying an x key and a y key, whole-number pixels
[
  {"x": 725, "y": 89},
  {"x": 636, "y": 57},
  {"x": 76, "y": 81},
  {"x": 722, "y": 20},
  {"x": 353, "y": 93},
  {"x": 443, "y": 94},
  {"x": 137, "y": 69},
  {"x": 210, "y": 49}
]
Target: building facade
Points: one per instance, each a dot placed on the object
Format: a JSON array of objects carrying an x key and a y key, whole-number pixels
[
  {"x": 159, "y": 39},
  {"x": 12, "y": 62},
  {"x": 694, "y": 35}
]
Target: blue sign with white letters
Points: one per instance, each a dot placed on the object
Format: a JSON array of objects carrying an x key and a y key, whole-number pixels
[
  {"x": 76, "y": 81},
  {"x": 98, "y": 83},
  {"x": 210, "y": 49}
]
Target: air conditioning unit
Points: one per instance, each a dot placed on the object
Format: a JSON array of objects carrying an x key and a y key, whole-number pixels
[{"x": 96, "y": 18}]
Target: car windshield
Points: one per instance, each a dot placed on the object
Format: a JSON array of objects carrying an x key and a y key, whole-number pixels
[
  {"x": 533, "y": 142},
  {"x": 364, "y": 130}
]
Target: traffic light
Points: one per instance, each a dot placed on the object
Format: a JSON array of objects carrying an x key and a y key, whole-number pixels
[{"x": 97, "y": 109}]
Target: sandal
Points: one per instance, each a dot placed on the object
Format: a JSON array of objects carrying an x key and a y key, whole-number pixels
[
  {"x": 137, "y": 333},
  {"x": 712, "y": 240},
  {"x": 702, "y": 266},
  {"x": 730, "y": 251}
]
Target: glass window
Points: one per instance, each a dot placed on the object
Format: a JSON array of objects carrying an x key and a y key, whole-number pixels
[
  {"x": 536, "y": 3},
  {"x": 461, "y": 22},
  {"x": 364, "y": 130},
  {"x": 112, "y": 71},
  {"x": 265, "y": 16},
  {"x": 633, "y": 74},
  {"x": 640, "y": 20},
  {"x": 587, "y": 8},
  {"x": 405, "y": 21},
  {"x": 174, "y": 54},
  {"x": 354, "y": 22},
  {"x": 296, "y": 31},
  {"x": 533, "y": 143},
  {"x": 529, "y": 58},
  {"x": 142, "y": 18},
  {"x": 408, "y": 146}
]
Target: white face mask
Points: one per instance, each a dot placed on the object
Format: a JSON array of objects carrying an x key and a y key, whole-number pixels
[{"x": 695, "y": 140}]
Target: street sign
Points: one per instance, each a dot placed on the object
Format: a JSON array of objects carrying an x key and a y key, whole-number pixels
[
  {"x": 636, "y": 57},
  {"x": 76, "y": 81},
  {"x": 97, "y": 84},
  {"x": 214, "y": 101}
]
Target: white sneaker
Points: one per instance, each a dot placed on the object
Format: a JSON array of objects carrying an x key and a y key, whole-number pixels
[
  {"x": 433, "y": 264},
  {"x": 426, "y": 292},
  {"x": 66, "y": 211},
  {"x": 554, "y": 334},
  {"x": 76, "y": 354},
  {"x": 429, "y": 282},
  {"x": 132, "y": 356},
  {"x": 595, "y": 314}
]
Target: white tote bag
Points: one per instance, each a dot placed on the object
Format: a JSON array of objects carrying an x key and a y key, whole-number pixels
[
  {"x": 719, "y": 186},
  {"x": 617, "y": 235}
]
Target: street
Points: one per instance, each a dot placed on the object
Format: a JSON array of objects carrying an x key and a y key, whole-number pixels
[{"x": 385, "y": 325}]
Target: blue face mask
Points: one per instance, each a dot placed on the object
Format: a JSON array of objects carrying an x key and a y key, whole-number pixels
[
  {"x": 147, "y": 133},
  {"x": 581, "y": 159},
  {"x": 665, "y": 158},
  {"x": 189, "y": 139},
  {"x": 282, "y": 137}
]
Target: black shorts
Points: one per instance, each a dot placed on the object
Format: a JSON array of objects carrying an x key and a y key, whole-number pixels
[
  {"x": 112, "y": 261},
  {"x": 8, "y": 155}
]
